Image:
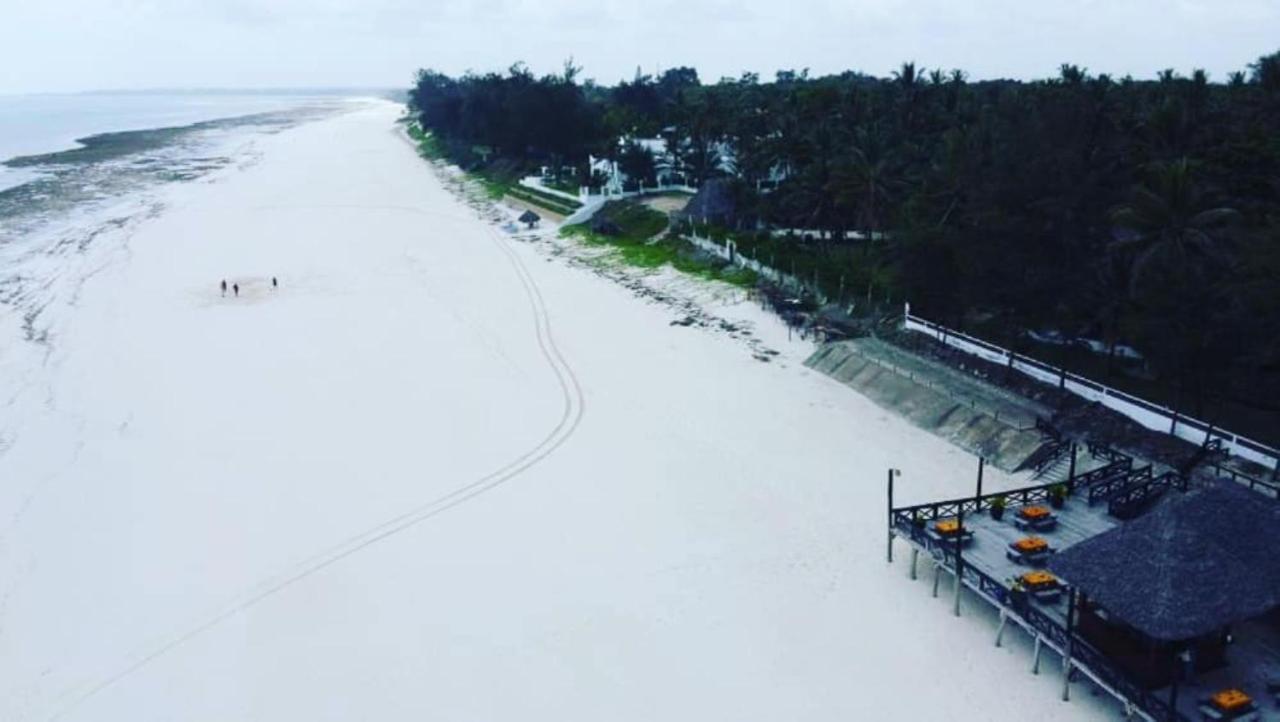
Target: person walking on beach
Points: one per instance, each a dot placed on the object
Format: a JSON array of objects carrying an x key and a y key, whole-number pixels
[
  {"x": 236, "y": 287},
  {"x": 224, "y": 287},
  {"x": 274, "y": 284}
]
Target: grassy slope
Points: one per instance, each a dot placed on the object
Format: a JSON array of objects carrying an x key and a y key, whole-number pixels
[{"x": 640, "y": 244}]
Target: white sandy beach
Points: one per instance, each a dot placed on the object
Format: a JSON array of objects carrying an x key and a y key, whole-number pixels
[{"x": 439, "y": 474}]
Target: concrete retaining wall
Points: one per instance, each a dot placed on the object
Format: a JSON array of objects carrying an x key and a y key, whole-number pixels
[{"x": 928, "y": 403}]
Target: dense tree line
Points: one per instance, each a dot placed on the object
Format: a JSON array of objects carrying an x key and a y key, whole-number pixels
[{"x": 1142, "y": 212}]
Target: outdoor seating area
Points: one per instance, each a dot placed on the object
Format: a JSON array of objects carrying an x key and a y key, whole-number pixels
[
  {"x": 951, "y": 532},
  {"x": 1251, "y": 666},
  {"x": 1229, "y": 704},
  {"x": 1035, "y": 518},
  {"x": 1029, "y": 550},
  {"x": 1175, "y": 612},
  {"x": 1007, "y": 546},
  {"x": 1043, "y": 586}
]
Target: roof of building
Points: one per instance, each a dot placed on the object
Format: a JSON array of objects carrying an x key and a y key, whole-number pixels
[
  {"x": 1192, "y": 565},
  {"x": 712, "y": 203}
]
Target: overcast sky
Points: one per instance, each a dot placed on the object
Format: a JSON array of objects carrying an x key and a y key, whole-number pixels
[{"x": 68, "y": 45}]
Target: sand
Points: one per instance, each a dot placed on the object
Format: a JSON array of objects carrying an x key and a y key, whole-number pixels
[{"x": 441, "y": 473}]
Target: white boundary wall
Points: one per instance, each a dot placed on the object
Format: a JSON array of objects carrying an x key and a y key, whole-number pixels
[{"x": 1153, "y": 416}]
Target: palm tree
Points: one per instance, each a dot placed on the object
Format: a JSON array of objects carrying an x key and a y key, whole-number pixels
[
  {"x": 1266, "y": 72},
  {"x": 1174, "y": 276},
  {"x": 907, "y": 76},
  {"x": 1072, "y": 74},
  {"x": 861, "y": 180},
  {"x": 1168, "y": 226}
]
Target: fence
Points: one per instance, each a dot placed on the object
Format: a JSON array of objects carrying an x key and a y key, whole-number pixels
[
  {"x": 1152, "y": 416},
  {"x": 729, "y": 252}
]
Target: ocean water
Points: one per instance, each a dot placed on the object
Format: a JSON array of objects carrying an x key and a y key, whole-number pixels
[
  {"x": 62, "y": 153},
  {"x": 78, "y": 172},
  {"x": 40, "y": 124}
]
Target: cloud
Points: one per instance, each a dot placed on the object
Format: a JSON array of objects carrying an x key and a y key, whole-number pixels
[{"x": 77, "y": 44}]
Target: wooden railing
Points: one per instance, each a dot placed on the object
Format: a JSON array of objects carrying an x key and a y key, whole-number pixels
[
  {"x": 1108, "y": 485},
  {"x": 1140, "y": 492},
  {"x": 1084, "y": 656},
  {"x": 1269, "y": 488}
]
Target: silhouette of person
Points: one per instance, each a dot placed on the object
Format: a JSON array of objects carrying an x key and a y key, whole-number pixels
[
  {"x": 274, "y": 284},
  {"x": 236, "y": 288},
  {"x": 224, "y": 286}
]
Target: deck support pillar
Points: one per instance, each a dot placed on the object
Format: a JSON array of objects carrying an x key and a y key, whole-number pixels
[
  {"x": 955, "y": 608},
  {"x": 937, "y": 576},
  {"x": 1004, "y": 619},
  {"x": 1035, "y": 656},
  {"x": 1066, "y": 675},
  {"x": 889, "y": 509},
  {"x": 1066, "y": 648},
  {"x": 915, "y": 553}
]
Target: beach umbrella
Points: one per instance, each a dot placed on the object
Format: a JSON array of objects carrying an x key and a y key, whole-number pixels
[{"x": 530, "y": 218}]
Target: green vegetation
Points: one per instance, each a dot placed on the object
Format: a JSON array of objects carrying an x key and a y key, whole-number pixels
[
  {"x": 1137, "y": 212},
  {"x": 553, "y": 203},
  {"x": 428, "y": 144},
  {"x": 495, "y": 185},
  {"x": 859, "y": 274},
  {"x": 640, "y": 242}
]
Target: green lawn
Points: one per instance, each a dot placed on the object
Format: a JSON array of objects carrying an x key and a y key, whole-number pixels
[{"x": 643, "y": 245}]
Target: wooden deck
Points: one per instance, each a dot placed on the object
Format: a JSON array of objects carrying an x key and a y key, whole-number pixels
[
  {"x": 1077, "y": 521},
  {"x": 1253, "y": 660}
]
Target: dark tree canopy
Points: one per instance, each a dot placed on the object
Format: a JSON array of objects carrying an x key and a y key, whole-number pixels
[{"x": 1140, "y": 212}]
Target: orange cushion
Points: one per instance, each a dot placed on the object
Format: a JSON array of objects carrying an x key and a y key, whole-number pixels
[
  {"x": 947, "y": 526},
  {"x": 1038, "y": 579},
  {"x": 1231, "y": 699},
  {"x": 1031, "y": 544}
]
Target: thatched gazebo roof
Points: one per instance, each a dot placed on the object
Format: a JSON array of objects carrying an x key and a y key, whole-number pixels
[
  {"x": 530, "y": 217},
  {"x": 713, "y": 203},
  {"x": 1192, "y": 565}
]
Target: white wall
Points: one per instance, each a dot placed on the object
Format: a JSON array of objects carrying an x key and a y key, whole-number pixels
[{"x": 1152, "y": 416}]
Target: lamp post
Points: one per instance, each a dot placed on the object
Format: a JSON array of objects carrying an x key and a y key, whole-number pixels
[{"x": 889, "y": 515}]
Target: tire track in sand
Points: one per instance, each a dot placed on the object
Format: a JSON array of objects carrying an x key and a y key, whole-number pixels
[{"x": 570, "y": 418}]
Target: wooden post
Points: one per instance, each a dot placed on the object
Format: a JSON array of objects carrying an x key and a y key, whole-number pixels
[
  {"x": 890, "y": 510},
  {"x": 959, "y": 566},
  {"x": 1071, "y": 474},
  {"x": 914, "y": 554},
  {"x": 1004, "y": 619},
  {"x": 937, "y": 575},
  {"x": 982, "y": 461},
  {"x": 1066, "y": 652},
  {"x": 1035, "y": 656}
]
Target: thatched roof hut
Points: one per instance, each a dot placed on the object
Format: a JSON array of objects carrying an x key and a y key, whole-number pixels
[
  {"x": 713, "y": 203},
  {"x": 1191, "y": 566},
  {"x": 530, "y": 218}
]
